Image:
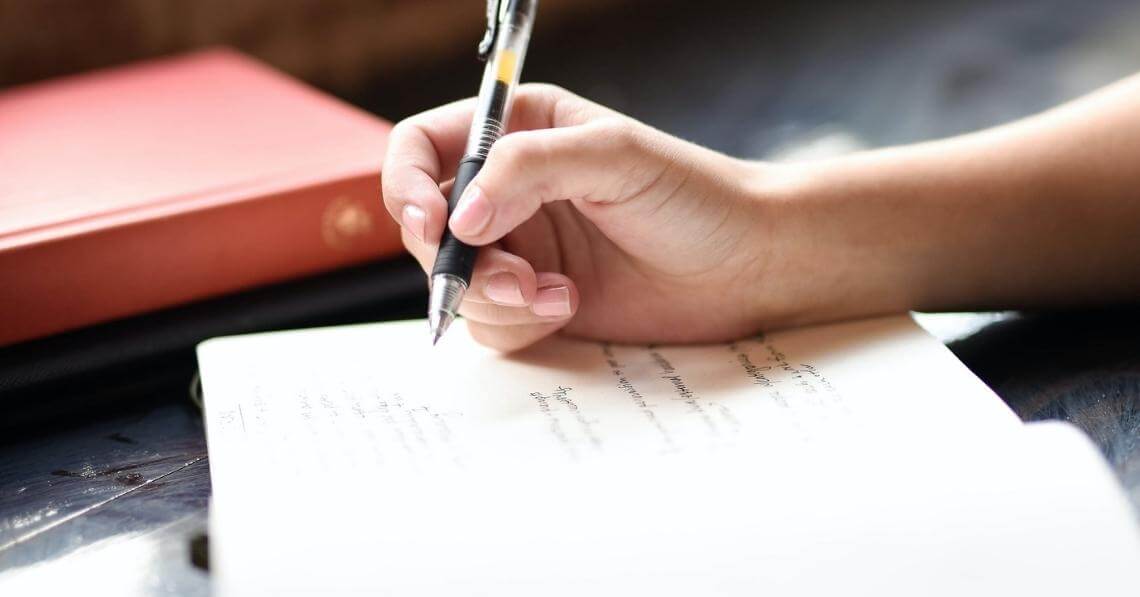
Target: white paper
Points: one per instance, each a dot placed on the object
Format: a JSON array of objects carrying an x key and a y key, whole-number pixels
[{"x": 859, "y": 457}]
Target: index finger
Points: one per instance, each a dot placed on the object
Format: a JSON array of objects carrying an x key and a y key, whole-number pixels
[
  {"x": 418, "y": 148},
  {"x": 425, "y": 149}
]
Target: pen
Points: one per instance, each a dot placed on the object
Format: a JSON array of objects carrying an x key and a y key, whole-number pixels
[{"x": 503, "y": 47}]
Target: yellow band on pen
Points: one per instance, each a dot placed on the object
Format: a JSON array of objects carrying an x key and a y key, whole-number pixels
[{"x": 507, "y": 60}]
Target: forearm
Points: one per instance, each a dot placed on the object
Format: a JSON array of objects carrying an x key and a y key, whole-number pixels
[{"x": 1041, "y": 212}]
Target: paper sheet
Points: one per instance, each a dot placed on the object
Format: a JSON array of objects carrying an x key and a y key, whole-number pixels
[
  {"x": 394, "y": 401},
  {"x": 358, "y": 458}
]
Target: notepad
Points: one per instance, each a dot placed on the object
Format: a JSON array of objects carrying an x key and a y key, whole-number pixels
[{"x": 859, "y": 457}]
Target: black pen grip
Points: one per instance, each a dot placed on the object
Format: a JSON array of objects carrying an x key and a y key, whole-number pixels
[{"x": 456, "y": 257}]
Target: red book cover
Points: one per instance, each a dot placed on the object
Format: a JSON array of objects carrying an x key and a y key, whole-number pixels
[{"x": 133, "y": 189}]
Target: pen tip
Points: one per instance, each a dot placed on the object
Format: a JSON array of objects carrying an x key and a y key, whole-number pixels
[
  {"x": 437, "y": 331},
  {"x": 438, "y": 322},
  {"x": 443, "y": 303}
]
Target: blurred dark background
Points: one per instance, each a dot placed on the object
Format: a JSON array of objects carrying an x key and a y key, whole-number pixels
[
  {"x": 337, "y": 44},
  {"x": 752, "y": 78}
]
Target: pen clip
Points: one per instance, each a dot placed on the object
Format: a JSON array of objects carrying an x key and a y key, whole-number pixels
[{"x": 488, "y": 41}]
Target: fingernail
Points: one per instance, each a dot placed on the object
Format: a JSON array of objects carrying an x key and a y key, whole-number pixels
[
  {"x": 552, "y": 302},
  {"x": 415, "y": 220},
  {"x": 503, "y": 288},
  {"x": 473, "y": 212}
]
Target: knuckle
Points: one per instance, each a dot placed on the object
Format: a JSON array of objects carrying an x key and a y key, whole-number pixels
[
  {"x": 533, "y": 152},
  {"x": 621, "y": 133},
  {"x": 517, "y": 265},
  {"x": 563, "y": 107},
  {"x": 396, "y": 192},
  {"x": 549, "y": 90},
  {"x": 513, "y": 151},
  {"x": 509, "y": 262},
  {"x": 399, "y": 132}
]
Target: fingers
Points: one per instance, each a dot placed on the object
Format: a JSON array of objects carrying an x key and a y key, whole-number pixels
[
  {"x": 413, "y": 168},
  {"x": 508, "y": 304},
  {"x": 512, "y": 328},
  {"x": 424, "y": 150},
  {"x": 555, "y": 298},
  {"x": 507, "y": 309},
  {"x": 609, "y": 160},
  {"x": 498, "y": 277},
  {"x": 502, "y": 278},
  {"x": 505, "y": 290}
]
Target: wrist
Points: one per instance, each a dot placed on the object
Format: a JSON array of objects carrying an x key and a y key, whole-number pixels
[{"x": 840, "y": 241}]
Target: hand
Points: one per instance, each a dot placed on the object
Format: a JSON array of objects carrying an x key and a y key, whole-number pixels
[
  {"x": 602, "y": 227},
  {"x": 589, "y": 222}
]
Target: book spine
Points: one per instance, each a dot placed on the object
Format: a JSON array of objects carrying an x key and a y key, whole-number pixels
[{"x": 75, "y": 281}]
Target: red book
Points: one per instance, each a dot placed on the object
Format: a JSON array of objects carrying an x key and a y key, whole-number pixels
[{"x": 138, "y": 188}]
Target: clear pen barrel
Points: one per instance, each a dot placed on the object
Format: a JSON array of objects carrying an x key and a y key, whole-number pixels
[{"x": 500, "y": 78}]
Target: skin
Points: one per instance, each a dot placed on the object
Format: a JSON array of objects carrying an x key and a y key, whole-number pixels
[{"x": 597, "y": 226}]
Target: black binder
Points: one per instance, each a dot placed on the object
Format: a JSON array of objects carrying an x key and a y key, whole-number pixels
[{"x": 72, "y": 376}]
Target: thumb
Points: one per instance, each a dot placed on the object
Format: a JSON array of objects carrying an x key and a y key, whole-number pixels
[{"x": 609, "y": 160}]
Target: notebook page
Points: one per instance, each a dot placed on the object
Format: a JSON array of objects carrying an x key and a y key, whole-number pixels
[
  {"x": 1036, "y": 515},
  {"x": 395, "y": 402},
  {"x": 410, "y": 469}
]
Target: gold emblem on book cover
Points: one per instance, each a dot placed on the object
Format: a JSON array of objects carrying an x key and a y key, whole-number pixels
[{"x": 344, "y": 222}]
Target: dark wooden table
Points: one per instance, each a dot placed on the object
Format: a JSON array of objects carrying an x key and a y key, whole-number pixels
[{"x": 112, "y": 503}]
